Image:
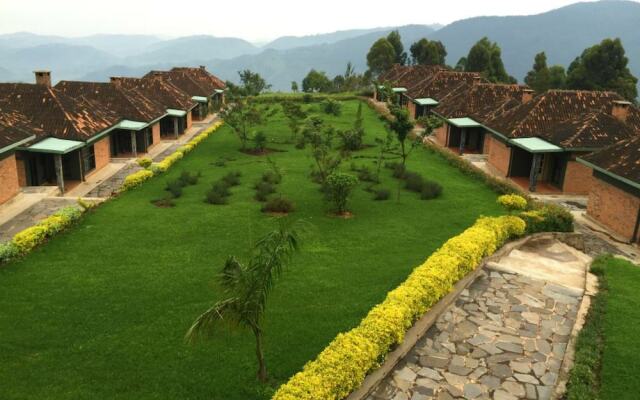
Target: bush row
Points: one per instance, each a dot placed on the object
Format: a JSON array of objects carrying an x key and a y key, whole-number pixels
[
  {"x": 342, "y": 366},
  {"x": 152, "y": 169},
  {"x": 27, "y": 239}
]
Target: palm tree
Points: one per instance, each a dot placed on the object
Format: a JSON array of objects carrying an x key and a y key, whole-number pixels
[{"x": 247, "y": 287}]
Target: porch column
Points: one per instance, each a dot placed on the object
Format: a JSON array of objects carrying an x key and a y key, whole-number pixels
[
  {"x": 175, "y": 127},
  {"x": 57, "y": 158},
  {"x": 134, "y": 149},
  {"x": 463, "y": 139},
  {"x": 533, "y": 175}
]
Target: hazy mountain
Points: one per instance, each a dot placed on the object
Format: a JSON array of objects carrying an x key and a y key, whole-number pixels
[
  {"x": 290, "y": 42},
  {"x": 119, "y": 45},
  {"x": 563, "y": 34},
  {"x": 192, "y": 48},
  {"x": 66, "y": 61},
  {"x": 25, "y": 39},
  {"x": 280, "y": 67}
]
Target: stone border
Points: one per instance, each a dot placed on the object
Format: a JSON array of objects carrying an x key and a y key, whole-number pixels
[{"x": 419, "y": 329}]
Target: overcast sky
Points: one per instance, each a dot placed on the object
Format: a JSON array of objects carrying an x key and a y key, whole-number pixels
[{"x": 254, "y": 20}]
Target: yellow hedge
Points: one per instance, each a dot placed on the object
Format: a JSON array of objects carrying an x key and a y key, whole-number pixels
[
  {"x": 512, "y": 202},
  {"x": 136, "y": 179},
  {"x": 25, "y": 240},
  {"x": 342, "y": 366}
]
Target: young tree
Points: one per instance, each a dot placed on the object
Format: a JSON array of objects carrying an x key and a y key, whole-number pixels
[
  {"x": 294, "y": 86},
  {"x": 247, "y": 288},
  {"x": 426, "y": 52},
  {"x": 339, "y": 187},
  {"x": 320, "y": 138},
  {"x": 486, "y": 57},
  {"x": 604, "y": 66},
  {"x": 385, "y": 146},
  {"x": 252, "y": 83},
  {"x": 381, "y": 56},
  {"x": 398, "y": 48},
  {"x": 242, "y": 117},
  {"x": 402, "y": 126},
  {"x": 539, "y": 78},
  {"x": 316, "y": 81},
  {"x": 295, "y": 115}
]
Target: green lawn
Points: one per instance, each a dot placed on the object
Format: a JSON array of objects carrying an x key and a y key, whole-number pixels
[
  {"x": 608, "y": 349},
  {"x": 100, "y": 311}
]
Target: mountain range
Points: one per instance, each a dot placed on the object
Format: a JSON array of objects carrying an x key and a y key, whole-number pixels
[{"x": 563, "y": 33}]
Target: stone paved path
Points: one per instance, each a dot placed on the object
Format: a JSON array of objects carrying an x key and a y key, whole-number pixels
[
  {"x": 504, "y": 338},
  {"x": 32, "y": 215}
]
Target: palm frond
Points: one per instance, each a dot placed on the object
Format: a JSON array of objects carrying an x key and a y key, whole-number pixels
[
  {"x": 233, "y": 275},
  {"x": 221, "y": 312}
]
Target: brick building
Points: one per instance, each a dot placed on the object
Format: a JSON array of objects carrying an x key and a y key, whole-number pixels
[{"x": 614, "y": 196}]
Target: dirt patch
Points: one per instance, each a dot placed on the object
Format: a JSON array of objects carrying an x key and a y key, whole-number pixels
[
  {"x": 263, "y": 152},
  {"x": 163, "y": 203},
  {"x": 344, "y": 215}
]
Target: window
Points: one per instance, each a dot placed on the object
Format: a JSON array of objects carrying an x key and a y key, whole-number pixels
[{"x": 88, "y": 155}]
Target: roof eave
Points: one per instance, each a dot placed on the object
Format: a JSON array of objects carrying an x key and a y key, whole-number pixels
[
  {"x": 15, "y": 145},
  {"x": 608, "y": 173}
]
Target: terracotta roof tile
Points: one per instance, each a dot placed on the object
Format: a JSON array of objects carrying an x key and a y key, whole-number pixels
[
  {"x": 160, "y": 90},
  {"x": 622, "y": 159},
  {"x": 442, "y": 84}
]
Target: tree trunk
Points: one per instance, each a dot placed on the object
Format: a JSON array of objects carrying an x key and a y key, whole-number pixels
[{"x": 262, "y": 368}]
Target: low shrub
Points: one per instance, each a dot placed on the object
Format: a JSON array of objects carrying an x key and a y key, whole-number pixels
[
  {"x": 8, "y": 251},
  {"x": 381, "y": 194},
  {"x": 263, "y": 190},
  {"x": 338, "y": 189},
  {"x": 136, "y": 179},
  {"x": 168, "y": 161},
  {"x": 512, "y": 202},
  {"x": 25, "y": 240},
  {"x": 189, "y": 179},
  {"x": 413, "y": 182},
  {"x": 351, "y": 140},
  {"x": 365, "y": 174},
  {"x": 548, "y": 218},
  {"x": 331, "y": 107},
  {"x": 278, "y": 204},
  {"x": 85, "y": 205},
  {"x": 221, "y": 187},
  {"x": 430, "y": 190},
  {"x": 343, "y": 365},
  {"x": 260, "y": 141},
  {"x": 215, "y": 197},
  {"x": 145, "y": 162},
  {"x": 232, "y": 178},
  {"x": 175, "y": 188},
  {"x": 271, "y": 177}
]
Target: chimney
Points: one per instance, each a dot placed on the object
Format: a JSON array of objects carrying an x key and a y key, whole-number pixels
[
  {"x": 527, "y": 95},
  {"x": 620, "y": 109},
  {"x": 43, "y": 78},
  {"x": 116, "y": 80},
  {"x": 477, "y": 79},
  {"x": 202, "y": 67}
]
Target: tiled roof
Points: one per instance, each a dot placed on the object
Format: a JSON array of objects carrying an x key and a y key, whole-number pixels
[
  {"x": 14, "y": 127},
  {"x": 571, "y": 119},
  {"x": 442, "y": 84},
  {"x": 129, "y": 104},
  {"x": 160, "y": 90},
  {"x": 622, "y": 159},
  {"x": 409, "y": 75},
  {"x": 481, "y": 101},
  {"x": 53, "y": 113},
  {"x": 204, "y": 77},
  {"x": 184, "y": 81}
]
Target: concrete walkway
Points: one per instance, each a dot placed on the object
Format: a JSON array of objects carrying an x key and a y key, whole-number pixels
[{"x": 505, "y": 337}]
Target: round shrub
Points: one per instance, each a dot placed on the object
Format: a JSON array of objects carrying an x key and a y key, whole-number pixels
[
  {"x": 222, "y": 188},
  {"x": 175, "y": 188},
  {"x": 512, "y": 202},
  {"x": 413, "y": 182},
  {"x": 263, "y": 190},
  {"x": 271, "y": 177},
  {"x": 278, "y": 205},
  {"x": 145, "y": 162},
  {"x": 381, "y": 194},
  {"x": 338, "y": 188},
  {"x": 430, "y": 190},
  {"x": 232, "y": 178},
  {"x": 215, "y": 197}
]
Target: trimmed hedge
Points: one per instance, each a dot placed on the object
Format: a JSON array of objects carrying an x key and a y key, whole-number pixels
[
  {"x": 548, "y": 218},
  {"x": 136, "y": 179},
  {"x": 343, "y": 365}
]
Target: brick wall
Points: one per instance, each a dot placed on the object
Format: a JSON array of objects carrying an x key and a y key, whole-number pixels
[
  {"x": 613, "y": 208},
  {"x": 499, "y": 155},
  {"x": 9, "y": 185},
  {"x": 155, "y": 133},
  {"x": 578, "y": 178},
  {"x": 102, "y": 150},
  {"x": 440, "y": 134},
  {"x": 189, "y": 121}
]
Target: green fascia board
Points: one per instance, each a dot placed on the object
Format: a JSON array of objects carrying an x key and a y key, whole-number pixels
[
  {"x": 426, "y": 102},
  {"x": 200, "y": 99},
  {"x": 176, "y": 113},
  {"x": 609, "y": 173},
  {"x": 54, "y": 146},
  {"x": 399, "y": 90},
  {"x": 536, "y": 145},
  {"x": 464, "y": 123},
  {"x": 131, "y": 125},
  {"x": 219, "y": 91},
  {"x": 15, "y": 145}
]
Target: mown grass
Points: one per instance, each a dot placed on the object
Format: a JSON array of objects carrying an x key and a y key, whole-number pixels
[
  {"x": 100, "y": 311},
  {"x": 608, "y": 350}
]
